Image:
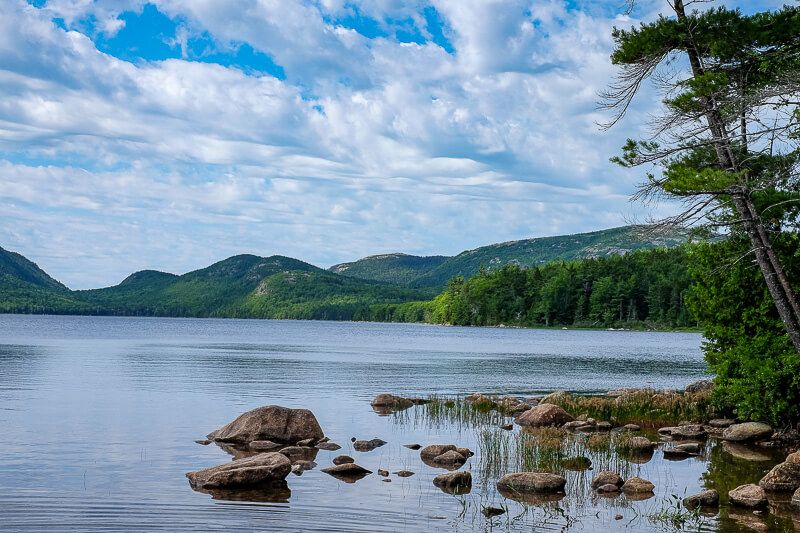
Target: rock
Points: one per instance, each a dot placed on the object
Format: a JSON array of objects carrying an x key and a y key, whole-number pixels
[
  {"x": 466, "y": 452},
  {"x": 306, "y": 442},
  {"x": 618, "y": 517},
  {"x": 297, "y": 470},
  {"x": 449, "y": 458},
  {"x": 608, "y": 488},
  {"x": 607, "y": 477},
  {"x": 261, "y": 469},
  {"x": 699, "y": 386},
  {"x": 631, "y": 427},
  {"x": 204, "y": 442},
  {"x": 383, "y": 473},
  {"x": 747, "y": 432},
  {"x": 640, "y": 445},
  {"x": 576, "y": 464},
  {"x": 428, "y": 453},
  {"x": 666, "y": 430},
  {"x": 272, "y": 422},
  {"x": 489, "y": 512},
  {"x": 749, "y": 496},
  {"x": 507, "y": 427},
  {"x": 560, "y": 395},
  {"x": 575, "y": 425},
  {"x": 784, "y": 477},
  {"x": 343, "y": 459},
  {"x": 299, "y": 452},
  {"x": 390, "y": 400},
  {"x": 404, "y": 473},
  {"x": 263, "y": 445},
  {"x": 796, "y": 499},
  {"x": 454, "y": 482},
  {"x": 347, "y": 471},
  {"x": 544, "y": 414},
  {"x": 412, "y": 446},
  {"x": 688, "y": 431},
  {"x": 603, "y": 426},
  {"x": 637, "y": 485},
  {"x": 682, "y": 451},
  {"x": 532, "y": 482},
  {"x": 305, "y": 465},
  {"x": 386, "y": 480},
  {"x": 330, "y": 446},
  {"x": 706, "y": 498},
  {"x": 367, "y": 445},
  {"x": 721, "y": 423}
]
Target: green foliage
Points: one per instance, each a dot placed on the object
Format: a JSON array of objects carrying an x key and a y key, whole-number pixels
[
  {"x": 637, "y": 289},
  {"x": 436, "y": 271},
  {"x": 757, "y": 368},
  {"x": 18, "y": 267}
]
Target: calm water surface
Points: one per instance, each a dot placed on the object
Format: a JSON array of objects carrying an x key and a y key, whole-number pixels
[{"x": 98, "y": 418}]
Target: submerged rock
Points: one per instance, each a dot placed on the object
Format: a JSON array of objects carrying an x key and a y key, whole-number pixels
[
  {"x": 747, "y": 432},
  {"x": 204, "y": 442},
  {"x": 544, "y": 414},
  {"x": 261, "y": 469},
  {"x": 608, "y": 488},
  {"x": 576, "y": 464},
  {"x": 263, "y": 445},
  {"x": 404, "y": 473},
  {"x": 784, "y": 477},
  {"x": 272, "y": 422},
  {"x": 748, "y": 453},
  {"x": 706, "y": 498},
  {"x": 749, "y": 496},
  {"x": 412, "y": 446},
  {"x": 489, "y": 512},
  {"x": 454, "y": 482},
  {"x": 367, "y": 445},
  {"x": 348, "y": 472},
  {"x": 329, "y": 446},
  {"x": 607, "y": 477},
  {"x": 297, "y": 453},
  {"x": 532, "y": 482}
]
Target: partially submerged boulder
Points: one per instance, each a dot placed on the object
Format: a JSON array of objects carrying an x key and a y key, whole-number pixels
[
  {"x": 784, "y": 477},
  {"x": 273, "y": 423},
  {"x": 454, "y": 482},
  {"x": 428, "y": 453},
  {"x": 368, "y": 445},
  {"x": 342, "y": 459},
  {"x": 544, "y": 414},
  {"x": 392, "y": 401},
  {"x": 637, "y": 485},
  {"x": 689, "y": 432},
  {"x": 706, "y": 498},
  {"x": 747, "y": 432},
  {"x": 348, "y": 472},
  {"x": 639, "y": 445},
  {"x": 607, "y": 477},
  {"x": 262, "y": 469},
  {"x": 450, "y": 458},
  {"x": 532, "y": 482},
  {"x": 749, "y": 496}
]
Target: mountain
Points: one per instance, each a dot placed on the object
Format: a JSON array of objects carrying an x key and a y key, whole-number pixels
[
  {"x": 526, "y": 253},
  {"x": 402, "y": 269},
  {"x": 26, "y": 288}
]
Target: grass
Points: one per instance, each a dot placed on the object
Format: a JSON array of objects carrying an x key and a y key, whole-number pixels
[
  {"x": 453, "y": 412},
  {"x": 645, "y": 407}
]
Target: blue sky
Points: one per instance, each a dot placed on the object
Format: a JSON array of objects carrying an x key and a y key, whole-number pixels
[{"x": 173, "y": 133}]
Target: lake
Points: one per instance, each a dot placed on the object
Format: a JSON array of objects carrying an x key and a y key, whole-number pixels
[{"x": 99, "y": 416}]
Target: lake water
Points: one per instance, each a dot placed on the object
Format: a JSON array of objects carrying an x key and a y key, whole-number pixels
[{"x": 98, "y": 418}]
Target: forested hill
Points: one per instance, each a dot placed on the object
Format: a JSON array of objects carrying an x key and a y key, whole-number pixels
[{"x": 437, "y": 270}]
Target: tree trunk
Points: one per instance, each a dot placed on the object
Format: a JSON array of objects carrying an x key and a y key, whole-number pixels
[{"x": 778, "y": 285}]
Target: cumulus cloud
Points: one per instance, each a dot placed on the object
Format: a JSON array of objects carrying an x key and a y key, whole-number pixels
[{"x": 368, "y": 144}]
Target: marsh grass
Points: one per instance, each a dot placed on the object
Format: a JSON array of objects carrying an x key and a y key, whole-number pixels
[
  {"x": 672, "y": 515},
  {"x": 645, "y": 407},
  {"x": 457, "y": 413}
]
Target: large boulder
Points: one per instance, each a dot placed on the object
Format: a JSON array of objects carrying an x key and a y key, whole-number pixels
[
  {"x": 784, "y": 477},
  {"x": 272, "y": 422},
  {"x": 747, "y": 432},
  {"x": 749, "y": 496},
  {"x": 544, "y": 414},
  {"x": 532, "y": 482},
  {"x": 706, "y": 498},
  {"x": 261, "y": 469},
  {"x": 454, "y": 482}
]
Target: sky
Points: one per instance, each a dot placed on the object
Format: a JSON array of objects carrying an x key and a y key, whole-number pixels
[{"x": 170, "y": 134}]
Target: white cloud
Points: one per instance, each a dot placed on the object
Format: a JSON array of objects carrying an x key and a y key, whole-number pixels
[{"x": 367, "y": 146}]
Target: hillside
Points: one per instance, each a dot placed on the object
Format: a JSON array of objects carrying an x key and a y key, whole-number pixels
[
  {"x": 402, "y": 269},
  {"x": 525, "y": 253},
  {"x": 17, "y": 266}
]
